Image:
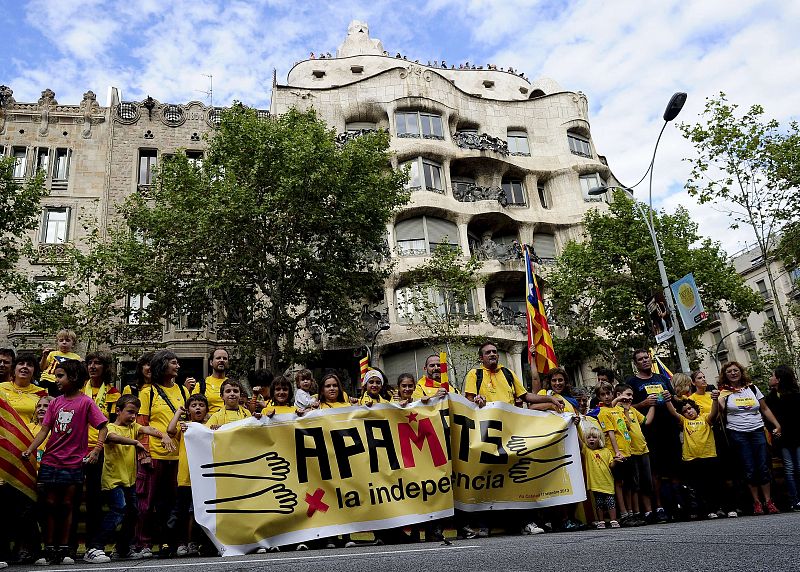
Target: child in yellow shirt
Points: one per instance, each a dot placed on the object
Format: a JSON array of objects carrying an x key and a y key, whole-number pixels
[
  {"x": 614, "y": 425},
  {"x": 231, "y": 392},
  {"x": 640, "y": 485},
  {"x": 196, "y": 411},
  {"x": 598, "y": 461},
  {"x": 118, "y": 481},
  {"x": 281, "y": 398},
  {"x": 66, "y": 340},
  {"x": 700, "y": 465}
]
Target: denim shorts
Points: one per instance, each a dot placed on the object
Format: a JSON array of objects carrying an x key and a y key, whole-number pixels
[{"x": 49, "y": 475}]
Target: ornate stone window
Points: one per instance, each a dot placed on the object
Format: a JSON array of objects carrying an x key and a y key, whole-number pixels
[
  {"x": 518, "y": 143},
  {"x": 410, "y": 300},
  {"x": 589, "y": 182},
  {"x": 128, "y": 112},
  {"x": 420, "y": 236},
  {"x": 214, "y": 117},
  {"x": 544, "y": 198},
  {"x": 425, "y": 174},
  {"x": 579, "y": 145},
  {"x": 55, "y": 225},
  {"x": 514, "y": 190},
  {"x": 419, "y": 124},
  {"x": 20, "y": 155},
  {"x": 544, "y": 247},
  {"x": 147, "y": 162},
  {"x": 173, "y": 115}
]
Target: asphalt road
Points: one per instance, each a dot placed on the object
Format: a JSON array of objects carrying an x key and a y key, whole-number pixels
[{"x": 769, "y": 543}]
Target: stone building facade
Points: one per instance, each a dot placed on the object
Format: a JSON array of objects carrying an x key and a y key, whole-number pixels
[
  {"x": 723, "y": 333},
  {"x": 496, "y": 161}
]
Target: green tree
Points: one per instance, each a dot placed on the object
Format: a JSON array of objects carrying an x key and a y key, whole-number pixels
[
  {"x": 279, "y": 231},
  {"x": 601, "y": 284},
  {"x": 748, "y": 166},
  {"x": 437, "y": 304},
  {"x": 19, "y": 215}
]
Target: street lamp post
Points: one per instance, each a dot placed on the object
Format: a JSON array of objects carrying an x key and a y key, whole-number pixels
[{"x": 671, "y": 112}]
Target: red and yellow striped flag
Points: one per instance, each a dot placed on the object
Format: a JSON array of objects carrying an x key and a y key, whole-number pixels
[
  {"x": 444, "y": 380},
  {"x": 363, "y": 364},
  {"x": 541, "y": 354},
  {"x": 15, "y": 437}
]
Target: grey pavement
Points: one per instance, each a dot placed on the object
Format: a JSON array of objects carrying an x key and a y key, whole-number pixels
[{"x": 765, "y": 543}]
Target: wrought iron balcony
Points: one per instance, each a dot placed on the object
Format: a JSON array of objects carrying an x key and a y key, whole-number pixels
[
  {"x": 480, "y": 142},
  {"x": 490, "y": 250},
  {"x": 747, "y": 338},
  {"x": 343, "y": 138},
  {"x": 470, "y": 193},
  {"x": 507, "y": 317}
]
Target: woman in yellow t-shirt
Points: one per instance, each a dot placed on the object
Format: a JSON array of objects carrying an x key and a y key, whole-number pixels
[
  {"x": 332, "y": 394},
  {"x": 557, "y": 384},
  {"x": 22, "y": 394},
  {"x": 375, "y": 389},
  {"x": 702, "y": 392},
  {"x": 281, "y": 398},
  {"x": 159, "y": 404}
]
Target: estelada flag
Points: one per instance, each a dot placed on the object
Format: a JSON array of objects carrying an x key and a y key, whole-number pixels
[
  {"x": 541, "y": 354},
  {"x": 657, "y": 366},
  {"x": 15, "y": 437}
]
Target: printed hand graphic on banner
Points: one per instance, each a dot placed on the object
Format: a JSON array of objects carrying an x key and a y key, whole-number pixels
[
  {"x": 276, "y": 468},
  {"x": 527, "y": 444},
  {"x": 525, "y": 470},
  {"x": 275, "y": 499}
]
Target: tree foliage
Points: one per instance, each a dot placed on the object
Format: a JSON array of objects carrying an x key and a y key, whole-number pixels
[
  {"x": 600, "y": 285},
  {"x": 749, "y": 166},
  {"x": 437, "y": 299},
  {"x": 19, "y": 215},
  {"x": 279, "y": 230}
]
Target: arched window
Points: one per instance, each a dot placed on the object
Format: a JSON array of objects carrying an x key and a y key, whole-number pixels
[
  {"x": 419, "y": 124},
  {"x": 421, "y": 235}
]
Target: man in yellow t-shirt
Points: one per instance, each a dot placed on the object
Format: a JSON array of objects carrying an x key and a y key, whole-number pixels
[
  {"x": 431, "y": 384},
  {"x": 494, "y": 382},
  {"x": 212, "y": 385}
]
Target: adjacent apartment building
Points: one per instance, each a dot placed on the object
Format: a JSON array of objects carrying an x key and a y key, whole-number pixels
[{"x": 496, "y": 161}]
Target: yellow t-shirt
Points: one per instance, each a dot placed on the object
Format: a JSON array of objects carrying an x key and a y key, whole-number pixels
[
  {"x": 334, "y": 404},
  {"x": 213, "y": 386},
  {"x": 613, "y": 419},
  {"x": 105, "y": 400},
  {"x": 635, "y": 420},
  {"x": 429, "y": 388},
  {"x": 35, "y": 428},
  {"x": 23, "y": 399},
  {"x": 698, "y": 439},
  {"x": 598, "y": 470},
  {"x": 127, "y": 389},
  {"x": 568, "y": 408},
  {"x": 224, "y": 416},
  {"x": 703, "y": 402},
  {"x": 119, "y": 461},
  {"x": 53, "y": 359},
  {"x": 161, "y": 414},
  {"x": 366, "y": 398},
  {"x": 494, "y": 386},
  {"x": 278, "y": 409},
  {"x": 184, "y": 480}
]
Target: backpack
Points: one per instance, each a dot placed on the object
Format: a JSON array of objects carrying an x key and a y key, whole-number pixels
[
  {"x": 506, "y": 373},
  {"x": 162, "y": 394}
]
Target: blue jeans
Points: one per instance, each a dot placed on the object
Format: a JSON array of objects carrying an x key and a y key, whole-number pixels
[
  {"x": 791, "y": 467},
  {"x": 751, "y": 448},
  {"x": 122, "y": 509}
]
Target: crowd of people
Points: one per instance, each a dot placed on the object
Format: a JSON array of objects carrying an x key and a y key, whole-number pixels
[
  {"x": 653, "y": 449},
  {"x": 435, "y": 63}
]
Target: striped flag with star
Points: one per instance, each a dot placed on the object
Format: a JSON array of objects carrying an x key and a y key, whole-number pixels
[
  {"x": 541, "y": 354},
  {"x": 15, "y": 437}
]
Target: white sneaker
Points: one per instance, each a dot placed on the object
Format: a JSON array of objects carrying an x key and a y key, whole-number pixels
[
  {"x": 69, "y": 559},
  {"x": 301, "y": 546},
  {"x": 532, "y": 528},
  {"x": 3, "y": 564},
  {"x": 192, "y": 549},
  {"x": 733, "y": 514},
  {"x": 712, "y": 515},
  {"x": 261, "y": 550},
  {"x": 145, "y": 553},
  {"x": 350, "y": 544},
  {"x": 93, "y": 556}
]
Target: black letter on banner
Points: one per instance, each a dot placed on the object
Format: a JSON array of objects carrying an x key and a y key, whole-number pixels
[
  {"x": 487, "y": 458},
  {"x": 344, "y": 452},
  {"x": 467, "y": 424},
  {"x": 318, "y": 450},
  {"x": 385, "y": 442},
  {"x": 445, "y": 415}
]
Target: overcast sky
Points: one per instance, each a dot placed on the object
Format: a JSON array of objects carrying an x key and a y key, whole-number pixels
[{"x": 627, "y": 56}]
